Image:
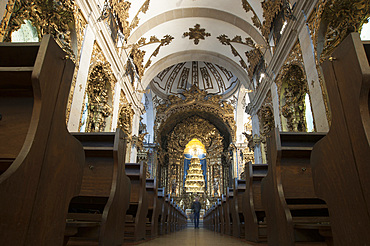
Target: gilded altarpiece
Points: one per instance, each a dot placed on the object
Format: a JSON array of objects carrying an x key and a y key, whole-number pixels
[
  {"x": 195, "y": 127},
  {"x": 171, "y": 153},
  {"x": 99, "y": 93},
  {"x": 292, "y": 89}
]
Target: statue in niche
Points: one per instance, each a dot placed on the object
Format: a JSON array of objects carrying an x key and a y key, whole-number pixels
[
  {"x": 173, "y": 187},
  {"x": 216, "y": 187}
]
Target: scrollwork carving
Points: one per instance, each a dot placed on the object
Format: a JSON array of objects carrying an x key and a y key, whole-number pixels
[
  {"x": 125, "y": 117},
  {"x": 48, "y": 17},
  {"x": 195, "y": 99},
  {"x": 138, "y": 55},
  {"x": 196, "y": 33}
]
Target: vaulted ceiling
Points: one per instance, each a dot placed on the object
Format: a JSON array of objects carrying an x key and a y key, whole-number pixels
[{"x": 165, "y": 33}]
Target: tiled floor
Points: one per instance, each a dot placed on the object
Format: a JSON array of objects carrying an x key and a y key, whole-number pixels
[{"x": 196, "y": 237}]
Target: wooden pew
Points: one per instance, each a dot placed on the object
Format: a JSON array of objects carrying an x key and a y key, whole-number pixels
[
  {"x": 340, "y": 161},
  {"x": 239, "y": 224},
  {"x": 98, "y": 212},
  {"x": 153, "y": 212},
  {"x": 166, "y": 214},
  {"x": 293, "y": 211},
  {"x": 160, "y": 211},
  {"x": 40, "y": 162},
  {"x": 233, "y": 216},
  {"x": 172, "y": 216},
  {"x": 225, "y": 215},
  {"x": 138, "y": 209},
  {"x": 255, "y": 222},
  {"x": 220, "y": 216}
]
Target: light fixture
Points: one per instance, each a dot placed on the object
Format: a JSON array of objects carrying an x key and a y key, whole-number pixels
[{"x": 262, "y": 75}]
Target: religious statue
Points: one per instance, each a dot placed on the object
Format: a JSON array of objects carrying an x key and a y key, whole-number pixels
[
  {"x": 173, "y": 187},
  {"x": 215, "y": 187}
]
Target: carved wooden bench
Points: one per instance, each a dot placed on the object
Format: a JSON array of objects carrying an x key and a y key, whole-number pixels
[
  {"x": 341, "y": 160},
  {"x": 40, "y": 162},
  {"x": 293, "y": 211},
  {"x": 160, "y": 211},
  {"x": 153, "y": 212},
  {"x": 239, "y": 224},
  {"x": 138, "y": 209},
  {"x": 255, "y": 223},
  {"x": 97, "y": 214}
]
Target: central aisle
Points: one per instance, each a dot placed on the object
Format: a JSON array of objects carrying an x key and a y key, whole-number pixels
[{"x": 196, "y": 237}]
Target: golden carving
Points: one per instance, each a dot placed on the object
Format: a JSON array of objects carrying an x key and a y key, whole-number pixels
[
  {"x": 224, "y": 39},
  {"x": 121, "y": 8},
  {"x": 270, "y": 9},
  {"x": 5, "y": 19},
  {"x": 126, "y": 114},
  {"x": 254, "y": 57},
  {"x": 295, "y": 58},
  {"x": 247, "y": 7},
  {"x": 293, "y": 104},
  {"x": 294, "y": 81},
  {"x": 196, "y": 33},
  {"x": 138, "y": 55},
  {"x": 185, "y": 132},
  {"x": 336, "y": 18},
  {"x": 343, "y": 17},
  {"x": 99, "y": 108},
  {"x": 100, "y": 91},
  {"x": 266, "y": 118},
  {"x": 196, "y": 99},
  {"x": 48, "y": 17}
]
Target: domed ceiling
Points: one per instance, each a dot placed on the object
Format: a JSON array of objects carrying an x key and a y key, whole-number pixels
[{"x": 214, "y": 79}]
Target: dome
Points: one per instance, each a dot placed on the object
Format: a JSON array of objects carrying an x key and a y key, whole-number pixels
[{"x": 212, "y": 78}]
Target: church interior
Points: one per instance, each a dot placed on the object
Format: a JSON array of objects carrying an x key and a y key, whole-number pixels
[{"x": 116, "y": 115}]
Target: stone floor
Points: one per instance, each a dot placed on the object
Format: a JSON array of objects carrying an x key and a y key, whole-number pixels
[{"x": 196, "y": 237}]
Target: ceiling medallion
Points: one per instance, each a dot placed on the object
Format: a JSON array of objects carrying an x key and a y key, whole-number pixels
[{"x": 196, "y": 33}]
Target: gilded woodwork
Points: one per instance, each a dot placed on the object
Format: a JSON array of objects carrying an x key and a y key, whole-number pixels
[
  {"x": 138, "y": 55},
  {"x": 196, "y": 33},
  {"x": 292, "y": 87},
  {"x": 195, "y": 99},
  {"x": 334, "y": 20},
  {"x": 293, "y": 103},
  {"x": 184, "y": 132},
  {"x": 266, "y": 120},
  {"x": 343, "y": 17},
  {"x": 6, "y": 18},
  {"x": 125, "y": 115},
  {"x": 256, "y": 21},
  {"x": 225, "y": 40},
  {"x": 48, "y": 17},
  {"x": 254, "y": 57},
  {"x": 99, "y": 93},
  {"x": 121, "y": 9},
  {"x": 270, "y": 9}
]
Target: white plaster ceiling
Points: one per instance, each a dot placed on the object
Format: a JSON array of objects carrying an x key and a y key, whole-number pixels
[{"x": 175, "y": 17}]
